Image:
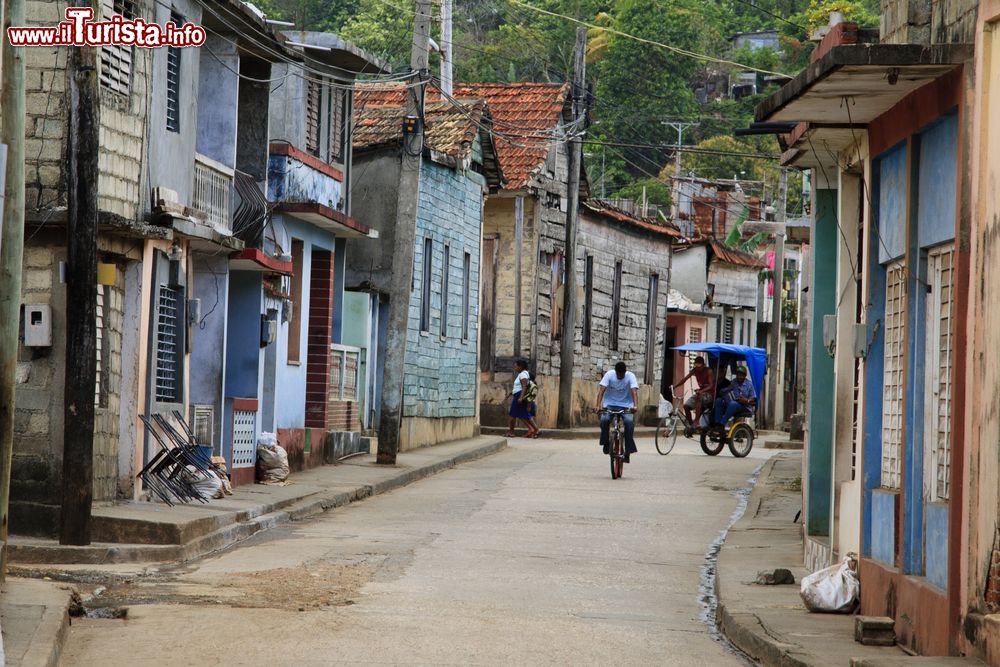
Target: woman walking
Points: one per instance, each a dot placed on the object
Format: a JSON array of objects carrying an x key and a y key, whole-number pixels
[{"x": 522, "y": 406}]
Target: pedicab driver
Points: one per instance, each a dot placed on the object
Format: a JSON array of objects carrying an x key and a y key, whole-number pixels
[{"x": 619, "y": 391}]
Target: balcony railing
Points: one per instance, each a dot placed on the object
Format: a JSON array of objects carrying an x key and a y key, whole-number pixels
[{"x": 213, "y": 186}]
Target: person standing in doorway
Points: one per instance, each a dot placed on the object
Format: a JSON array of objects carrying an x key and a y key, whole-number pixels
[{"x": 522, "y": 405}]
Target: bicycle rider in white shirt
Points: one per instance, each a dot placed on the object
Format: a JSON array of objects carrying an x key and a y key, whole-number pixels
[{"x": 619, "y": 391}]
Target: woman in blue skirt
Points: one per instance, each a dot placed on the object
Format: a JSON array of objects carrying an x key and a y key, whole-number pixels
[{"x": 521, "y": 407}]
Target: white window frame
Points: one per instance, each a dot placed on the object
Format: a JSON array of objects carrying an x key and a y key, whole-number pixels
[
  {"x": 893, "y": 370},
  {"x": 938, "y": 368}
]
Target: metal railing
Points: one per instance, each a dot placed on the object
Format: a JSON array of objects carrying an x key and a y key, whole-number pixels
[{"x": 213, "y": 187}]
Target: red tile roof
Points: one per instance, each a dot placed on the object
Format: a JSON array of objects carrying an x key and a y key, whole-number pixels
[
  {"x": 645, "y": 224},
  {"x": 516, "y": 109},
  {"x": 449, "y": 130}
]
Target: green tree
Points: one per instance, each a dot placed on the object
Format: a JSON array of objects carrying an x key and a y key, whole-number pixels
[{"x": 657, "y": 191}]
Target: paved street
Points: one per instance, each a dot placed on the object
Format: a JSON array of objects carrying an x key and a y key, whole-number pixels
[{"x": 531, "y": 556}]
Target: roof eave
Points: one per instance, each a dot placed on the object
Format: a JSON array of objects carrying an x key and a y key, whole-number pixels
[{"x": 909, "y": 65}]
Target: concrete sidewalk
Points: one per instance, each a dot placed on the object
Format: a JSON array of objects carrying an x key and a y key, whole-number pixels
[
  {"x": 34, "y": 616},
  {"x": 770, "y": 623},
  {"x": 138, "y": 532}
]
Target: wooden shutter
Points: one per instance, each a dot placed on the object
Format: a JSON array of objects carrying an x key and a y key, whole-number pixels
[{"x": 488, "y": 309}]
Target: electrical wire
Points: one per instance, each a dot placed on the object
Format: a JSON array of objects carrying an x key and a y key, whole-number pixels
[{"x": 674, "y": 49}]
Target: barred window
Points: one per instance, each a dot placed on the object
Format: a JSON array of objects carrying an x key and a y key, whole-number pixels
[
  {"x": 895, "y": 385},
  {"x": 169, "y": 339},
  {"x": 174, "y": 81}
]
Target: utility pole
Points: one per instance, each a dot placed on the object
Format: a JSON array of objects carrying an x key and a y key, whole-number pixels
[
  {"x": 11, "y": 250},
  {"x": 447, "y": 61},
  {"x": 774, "y": 361},
  {"x": 408, "y": 194},
  {"x": 568, "y": 344},
  {"x": 675, "y": 185},
  {"x": 81, "y": 295}
]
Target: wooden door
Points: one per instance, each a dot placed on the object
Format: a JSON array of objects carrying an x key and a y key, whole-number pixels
[{"x": 488, "y": 309}]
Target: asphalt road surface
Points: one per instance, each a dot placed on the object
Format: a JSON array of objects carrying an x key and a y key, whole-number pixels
[{"x": 533, "y": 556}]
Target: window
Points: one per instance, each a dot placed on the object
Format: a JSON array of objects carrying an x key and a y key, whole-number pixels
[
  {"x": 937, "y": 397},
  {"x": 337, "y": 117},
  {"x": 102, "y": 347},
  {"x": 743, "y": 341},
  {"x": 651, "y": 317},
  {"x": 174, "y": 81},
  {"x": 425, "y": 287},
  {"x": 169, "y": 344},
  {"x": 295, "y": 323},
  {"x": 588, "y": 298},
  {"x": 445, "y": 271},
  {"x": 616, "y": 297},
  {"x": 314, "y": 92},
  {"x": 694, "y": 336},
  {"x": 727, "y": 333},
  {"x": 466, "y": 294},
  {"x": 557, "y": 296},
  {"x": 116, "y": 60},
  {"x": 892, "y": 402}
]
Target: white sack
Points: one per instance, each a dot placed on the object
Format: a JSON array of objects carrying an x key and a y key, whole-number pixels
[{"x": 833, "y": 589}]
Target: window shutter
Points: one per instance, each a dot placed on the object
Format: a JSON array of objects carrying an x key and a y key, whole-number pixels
[
  {"x": 174, "y": 82},
  {"x": 313, "y": 99},
  {"x": 117, "y": 60}
]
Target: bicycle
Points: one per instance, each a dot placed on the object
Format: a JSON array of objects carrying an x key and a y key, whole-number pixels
[
  {"x": 665, "y": 436},
  {"x": 616, "y": 444}
]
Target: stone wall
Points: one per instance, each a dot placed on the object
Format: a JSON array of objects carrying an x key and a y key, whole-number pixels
[
  {"x": 46, "y": 125},
  {"x": 928, "y": 21},
  {"x": 39, "y": 416}
]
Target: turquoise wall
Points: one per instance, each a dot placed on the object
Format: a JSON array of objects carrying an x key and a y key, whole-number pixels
[
  {"x": 821, "y": 380},
  {"x": 442, "y": 371}
]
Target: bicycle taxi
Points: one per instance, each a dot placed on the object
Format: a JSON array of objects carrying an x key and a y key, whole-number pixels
[{"x": 723, "y": 359}]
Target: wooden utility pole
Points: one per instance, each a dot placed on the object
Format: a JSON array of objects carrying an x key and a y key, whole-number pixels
[
  {"x": 11, "y": 250},
  {"x": 405, "y": 237},
  {"x": 81, "y": 295},
  {"x": 568, "y": 342}
]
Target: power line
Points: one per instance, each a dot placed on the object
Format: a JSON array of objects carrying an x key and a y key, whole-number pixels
[{"x": 674, "y": 49}]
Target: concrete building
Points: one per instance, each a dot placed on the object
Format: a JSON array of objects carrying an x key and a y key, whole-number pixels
[
  {"x": 887, "y": 445},
  {"x": 440, "y": 392},
  {"x": 154, "y": 222}
]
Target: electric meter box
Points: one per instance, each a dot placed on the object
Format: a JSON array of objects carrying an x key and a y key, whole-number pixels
[{"x": 37, "y": 325}]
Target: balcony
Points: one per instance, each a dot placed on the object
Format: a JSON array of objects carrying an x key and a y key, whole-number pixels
[{"x": 213, "y": 186}]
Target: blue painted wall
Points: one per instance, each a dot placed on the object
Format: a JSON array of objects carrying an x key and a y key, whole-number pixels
[
  {"x": 937, "y": 182},
  {"x": 289, "y": 180},
  {"x": 913, "y": 485},
  {"x": 892, "y": 176},
  {"x": 874, "y": 380},
  {"x": 244, "y": 358},
  {"x": 441, "y": 372},
  {"x": 290, "y": 396},
  {"x": 208, "y": 338},
  {"x": 937, "y": 544},
  {"x": 821, "y": 378},
  {"x": 339, "y": 276},
  {"x": 883, "y": 537}
]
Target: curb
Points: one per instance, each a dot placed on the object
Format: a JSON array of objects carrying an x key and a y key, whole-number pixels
[
  {"x": 51, "y": 627},
  {"x": 228, "y": 535},
  {"x": 744, "y": 629}
]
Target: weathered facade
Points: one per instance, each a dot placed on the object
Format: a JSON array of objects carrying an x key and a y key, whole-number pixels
[
  {"x": 897, "y": 491},
  {"x": 440, "y": 379}
]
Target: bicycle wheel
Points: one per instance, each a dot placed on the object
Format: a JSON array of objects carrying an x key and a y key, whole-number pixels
[
  {"x": 666, "y": 435},
  {"x": 712, "y": 447},
  {"x": 742, "y": 441},
  {"x": 616, "y": 457}
]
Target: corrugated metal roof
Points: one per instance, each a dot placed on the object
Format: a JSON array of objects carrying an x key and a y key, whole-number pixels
[
  {"x": 645, "y": 224},
  {"x": 731, "y": 256}
]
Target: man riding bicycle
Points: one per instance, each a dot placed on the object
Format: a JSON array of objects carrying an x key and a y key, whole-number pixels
[
  {"x": 619, "y": 391},
  {"x": 701, "y": 400}
]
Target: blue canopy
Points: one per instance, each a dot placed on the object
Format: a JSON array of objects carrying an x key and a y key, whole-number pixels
[{"x": 729, "y": 356}]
